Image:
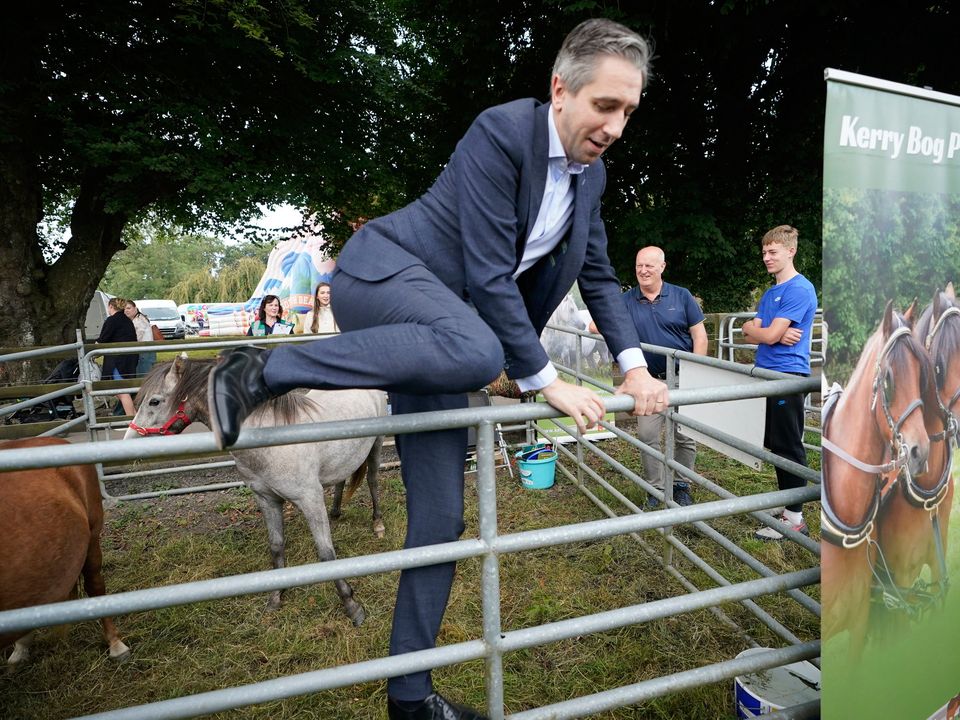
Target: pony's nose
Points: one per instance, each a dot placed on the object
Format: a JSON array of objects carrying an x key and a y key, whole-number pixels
[{"x": 917, "y": 459}]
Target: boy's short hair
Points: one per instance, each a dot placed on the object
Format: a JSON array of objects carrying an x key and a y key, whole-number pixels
[{"x": 782, "y": 234}]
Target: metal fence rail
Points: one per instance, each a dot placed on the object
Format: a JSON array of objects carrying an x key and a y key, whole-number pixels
[{"x": 490, "y": 546}]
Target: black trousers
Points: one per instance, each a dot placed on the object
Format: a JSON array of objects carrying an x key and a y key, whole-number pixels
[{"x": 783, "y": 435}]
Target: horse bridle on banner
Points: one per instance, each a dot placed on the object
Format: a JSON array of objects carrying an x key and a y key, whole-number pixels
[
  {"x": 917, "y": 496},
  {"x": 832, "y": 528},
  {"x": 950, "y": 420},
  {"x": 180, "y": 416}
]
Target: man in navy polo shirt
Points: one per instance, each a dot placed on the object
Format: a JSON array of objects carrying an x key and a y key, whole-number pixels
[
  {"x": 665, "y": 315},
  {"x": 782, "y": 331}
]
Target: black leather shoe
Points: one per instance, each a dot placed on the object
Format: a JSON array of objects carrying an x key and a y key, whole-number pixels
[
  {"x": 236, "y": 387},
  {"x": 435, "y": 707}
]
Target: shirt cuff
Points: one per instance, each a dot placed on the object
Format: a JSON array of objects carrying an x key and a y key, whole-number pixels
[
  {"x": 539, "y": 381},
  {"x": 631, "y": 358}
]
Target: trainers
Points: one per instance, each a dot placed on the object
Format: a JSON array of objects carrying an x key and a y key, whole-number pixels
[
  {"x": 652, "y": 502},
  {"x": 769, "y": 533},
  {"x": 681, "y": 496}
]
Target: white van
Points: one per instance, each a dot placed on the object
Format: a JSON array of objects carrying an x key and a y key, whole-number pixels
[{"x": 164, "y": 314}]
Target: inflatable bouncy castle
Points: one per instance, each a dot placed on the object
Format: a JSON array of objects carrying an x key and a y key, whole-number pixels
[{"x": 294, "y": 268}]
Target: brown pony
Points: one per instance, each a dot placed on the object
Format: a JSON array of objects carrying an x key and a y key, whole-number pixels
[
  {"x": 874, "y": 427},
  {"x": 914, "y": 514},
  {"x": 53, "y": 518}
]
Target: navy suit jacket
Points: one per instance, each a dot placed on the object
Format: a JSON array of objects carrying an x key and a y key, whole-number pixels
[{"x": 470, "y": 229}]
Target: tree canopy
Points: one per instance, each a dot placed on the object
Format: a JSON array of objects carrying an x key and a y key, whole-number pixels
[
  {"x": 156, "y": 259},
  {"x": 199, "y": 112}
]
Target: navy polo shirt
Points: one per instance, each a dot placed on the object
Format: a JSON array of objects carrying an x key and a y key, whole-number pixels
[{"x": 665, "y": 321}]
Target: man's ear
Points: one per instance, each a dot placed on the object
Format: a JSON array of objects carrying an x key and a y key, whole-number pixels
[{"x": 558, "y": 91}]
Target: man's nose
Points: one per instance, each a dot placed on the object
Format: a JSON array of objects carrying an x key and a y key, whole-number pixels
[{"x": 615, "y": 125}]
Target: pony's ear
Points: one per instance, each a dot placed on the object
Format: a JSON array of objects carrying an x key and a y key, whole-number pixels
[
  {"x": 180, "y": 364},
  {"x": 909, "y": 312},
  {"x": 948, "y": 291},
  {"x": 888, "y": 319},
  {"x": 936, "y": 306}
]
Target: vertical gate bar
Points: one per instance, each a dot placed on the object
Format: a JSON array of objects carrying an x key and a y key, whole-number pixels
[
  {"x": 89, "y": 409},
  {"x": 669, "y": 449},
  {"x": 579, "y": 367},
  {"x": 490, "y": 579}
]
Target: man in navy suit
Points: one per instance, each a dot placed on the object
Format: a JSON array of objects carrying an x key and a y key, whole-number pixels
[{"x": 436, "y": 299}]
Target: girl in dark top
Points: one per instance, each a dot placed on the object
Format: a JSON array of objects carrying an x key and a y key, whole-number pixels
[
  {"x": 119, "y": 328},
  {"x": 268, "y": 320}
]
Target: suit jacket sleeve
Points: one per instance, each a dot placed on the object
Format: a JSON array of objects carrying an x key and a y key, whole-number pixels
[
  {"x": 490, "y": 170},
  {"x": 601, "y": 291}
]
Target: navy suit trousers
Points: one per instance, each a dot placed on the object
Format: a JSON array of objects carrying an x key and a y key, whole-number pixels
[{"x": 410, "y": 335}]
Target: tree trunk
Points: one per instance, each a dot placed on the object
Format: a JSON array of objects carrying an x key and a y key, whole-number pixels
[{"x": 47, "y": 303}]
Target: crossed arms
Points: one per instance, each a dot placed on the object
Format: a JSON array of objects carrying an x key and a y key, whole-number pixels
[{"x": 779, "y": 331}]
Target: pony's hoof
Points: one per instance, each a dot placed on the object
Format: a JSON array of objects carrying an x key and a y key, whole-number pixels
[
  {"x": 358, "y": 616},
  {"x": 274, "y": 603},
  {"x": 20, "y": 654},
  {"x": 120, "y": 653},
  {"x": 379, "y": 530}
]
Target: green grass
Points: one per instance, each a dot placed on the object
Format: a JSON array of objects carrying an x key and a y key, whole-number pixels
[{"x": 196, "y": 648}]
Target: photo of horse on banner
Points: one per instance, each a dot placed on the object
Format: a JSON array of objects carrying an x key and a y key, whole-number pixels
[{"x": 888, "y": 487}]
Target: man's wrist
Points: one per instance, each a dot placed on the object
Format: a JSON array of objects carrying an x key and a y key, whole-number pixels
[
  {"x": 533, "y": 383},
  {"x": 631, "y": 358}
]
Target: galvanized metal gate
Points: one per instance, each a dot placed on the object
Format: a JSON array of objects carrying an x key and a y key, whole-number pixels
[{"x": 491, "y": 546}]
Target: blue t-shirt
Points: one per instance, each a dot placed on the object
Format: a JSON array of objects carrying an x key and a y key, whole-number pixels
[
  {"x": 795, "y": 300},
  {"x": 665, "y": 321}
]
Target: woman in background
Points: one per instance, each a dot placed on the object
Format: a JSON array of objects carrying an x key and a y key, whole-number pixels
[
  {"x": 269, "y": 320},
  {"x": 320, "y": 319},
  {"x": 119, "y": 328},
  {"x": 141, "y": 322}
]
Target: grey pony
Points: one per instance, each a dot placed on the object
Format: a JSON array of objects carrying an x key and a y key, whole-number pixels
[{"x": 297, "y": 473}]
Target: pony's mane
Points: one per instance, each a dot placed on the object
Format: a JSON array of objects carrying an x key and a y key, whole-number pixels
[
  {"x": 286, "y": 409},
  {"x": 946, "y": 344},
  {"x": 909, "y": 345},
  {"x": 897, "y": 356},
  {"x": 192, "y": 382}
]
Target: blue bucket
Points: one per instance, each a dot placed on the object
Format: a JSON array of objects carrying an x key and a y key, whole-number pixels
[{"x": 538, "y": 466}]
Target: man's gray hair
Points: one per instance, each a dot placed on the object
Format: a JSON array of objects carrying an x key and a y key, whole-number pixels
[{"x": 594, "y": 38}]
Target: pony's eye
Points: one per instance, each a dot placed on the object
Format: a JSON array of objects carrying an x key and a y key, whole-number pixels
[
  {"x": 154, "y": 402},
  {"x": 938, "y": 375}
]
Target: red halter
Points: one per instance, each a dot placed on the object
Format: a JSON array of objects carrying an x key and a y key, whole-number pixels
[{"x": 179, "y": 416}]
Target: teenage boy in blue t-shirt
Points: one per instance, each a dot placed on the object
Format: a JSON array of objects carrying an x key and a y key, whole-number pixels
[{"x": 782, "y": 330}]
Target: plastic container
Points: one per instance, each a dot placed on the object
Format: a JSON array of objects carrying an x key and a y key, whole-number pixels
[
  {"x": 537, "y": 465},
  {"x": 766, "y": 691}
]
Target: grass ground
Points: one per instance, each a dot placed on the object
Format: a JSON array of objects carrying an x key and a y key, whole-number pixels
[{"x": 191, "y": 649}]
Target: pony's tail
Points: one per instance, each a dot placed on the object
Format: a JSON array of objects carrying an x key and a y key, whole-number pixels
[{"x": 358, "y": 476}]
